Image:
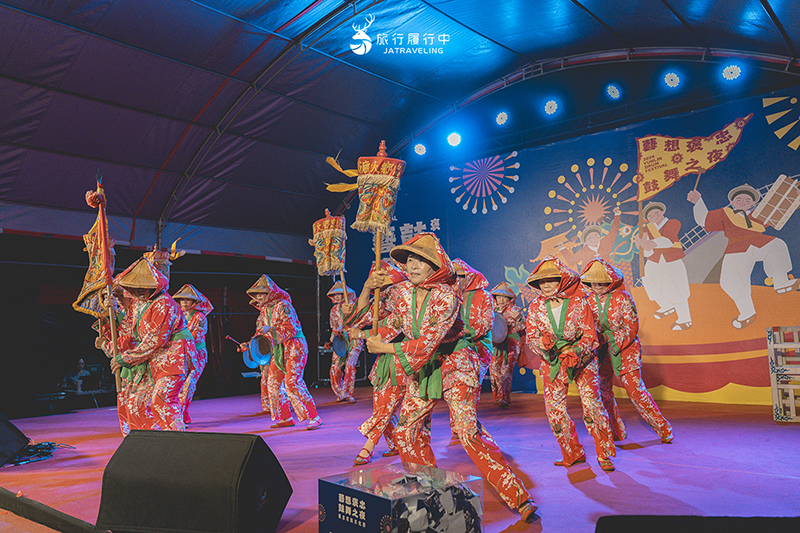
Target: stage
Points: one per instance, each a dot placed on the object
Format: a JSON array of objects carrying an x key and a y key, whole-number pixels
[{"x": 726, "y": 460}]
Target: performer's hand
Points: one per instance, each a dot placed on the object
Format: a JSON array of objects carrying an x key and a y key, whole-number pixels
[
  {"x": 114, "y": 365},
  {"x": 354, "y": 333},
  {"x": 375, "y": 280},
  {"x": 617, "y": 211},
  {"x": 347, "y": 308},
  {"x": 694, "y": 196},
  {"x": 327, "y": 345},
  {"x": 648, "y": 245},
  {"x": 376, "y": 345},
  {"x": 242, "y": 346},
  {"x": 112, "y": 301},
  {"x": 98, "y": 343}
]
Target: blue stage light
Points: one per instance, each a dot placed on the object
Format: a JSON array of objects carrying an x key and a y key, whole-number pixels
[
  {"x": 454, "y": 139},
  {"x": 550, "y": 107},
  {"x": 731, "y": 72},
  {"x": 672, "y": 80},
  {"x": 613, "y": 91},
  {"x": 502, "y": 118},
  {"x": 420, "y": 149}
]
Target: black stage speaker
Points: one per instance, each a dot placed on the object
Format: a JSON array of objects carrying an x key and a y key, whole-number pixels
[
  {"x": 12, "y": 440},
  {"x": 693, "y": 524},
  {"x": 174, "y": 481}
]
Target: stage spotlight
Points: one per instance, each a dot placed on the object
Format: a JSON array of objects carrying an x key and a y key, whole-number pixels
[
  {"x": 551, "y": 107},
  {"x": 731, "y": 72},
  {"x": 672, "y": 80},
  {"x": 613, "y": 91},
  {"x": 502, "y": 118},
  {"x": 420, "y": 149},
  {"x": 454, "y": 139}
]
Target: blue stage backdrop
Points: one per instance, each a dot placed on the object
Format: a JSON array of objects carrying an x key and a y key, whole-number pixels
[{"x": 503, "y": 212}]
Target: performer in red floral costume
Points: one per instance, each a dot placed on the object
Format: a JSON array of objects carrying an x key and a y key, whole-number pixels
[
  {"x": 282, "y": 381},
  {"x": 136, "y": 391},
  {"x": 477, "y": 315},
  {"x": 441, "y": 364},
  {"x": 620, "y": 351},
  {"x": 560, "y": 328},
  {"x": 506, "y": 353},
  {"x": 388, "y": 386},
  {"x": 343, "y": 369},
  {"x": 196, "y": 308},
  {"x": 161, "y": 338}
]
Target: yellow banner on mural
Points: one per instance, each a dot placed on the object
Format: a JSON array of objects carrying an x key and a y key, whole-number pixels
[{"x": 665, "y": 160}]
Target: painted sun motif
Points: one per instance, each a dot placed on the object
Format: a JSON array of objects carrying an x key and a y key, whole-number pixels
[
  {"x": 483, "y": 179},
  {"x": 586, "y": 199},
  {"x": 783, "y": 126}
]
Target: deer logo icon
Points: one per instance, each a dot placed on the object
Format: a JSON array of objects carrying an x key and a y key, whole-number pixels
[{"x": 364, "y": 43}]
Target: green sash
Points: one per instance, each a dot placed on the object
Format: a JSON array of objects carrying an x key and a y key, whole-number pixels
[
  {"x": 182, "y": 334},
  {"x": 430, "y": 375},
  {"x": 503, "y": 347},
  {"x": 561, "y": 342},
  {"x": 347, "y": 342},
  {"x": 278, "y": 349},
  {"x": 385, "y": 369},
  {"x": 613, "y": 350},
  {"x": 470, "y": 335}
]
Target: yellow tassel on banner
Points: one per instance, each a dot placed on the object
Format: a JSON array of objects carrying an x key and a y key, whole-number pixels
[
  {"x": 341, "y": 187},
  {"x": 335, "y": 164},
  {"x": 174, "y": 253}
]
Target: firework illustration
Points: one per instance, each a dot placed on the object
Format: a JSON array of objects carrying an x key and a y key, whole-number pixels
[
  {"x": 589, "y": 199},
  {"x": 786, "y": 105},
  {"x": 483, "y": 179}
]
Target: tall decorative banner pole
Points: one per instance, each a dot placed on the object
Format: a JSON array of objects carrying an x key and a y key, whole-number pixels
[
  {"x": 344, "y": 286},
  {"x": 377, "y": 296},
  {"x": 99, "y": 276},
  {"x": 378, "y": 183}
]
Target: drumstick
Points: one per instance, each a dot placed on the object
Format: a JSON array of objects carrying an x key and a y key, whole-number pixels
[{"x": 232, "y": 339}]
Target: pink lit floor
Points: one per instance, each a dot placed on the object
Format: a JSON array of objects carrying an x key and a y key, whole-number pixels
[{"x": 727, "y": 460}]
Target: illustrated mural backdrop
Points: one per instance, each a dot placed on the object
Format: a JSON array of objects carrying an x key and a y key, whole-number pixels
[{"x": 711, "y": 267}]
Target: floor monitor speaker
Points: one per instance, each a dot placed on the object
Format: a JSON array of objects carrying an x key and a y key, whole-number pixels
[{"x": 171, "y": 481}]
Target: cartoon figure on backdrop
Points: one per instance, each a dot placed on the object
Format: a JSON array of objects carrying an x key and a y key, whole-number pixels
[
  {"x": 440, "y": 364},
  {"x": 477, "y": 314},
  {"x": 619, "y": 351},
  {"x": 388, "y": 386},
  {"x": 665, "y": 279},
  {"x": 506, "y": 352},
  {"x": 747, "y": 245},
  {"x": 282, "y": 381},
  {"x": 196, "y": 308},
  {"x": 136, "y": 390},
  {"x": 595, "y": 244},
  {"x": 560, "y": 328},
  {"x": 161, "y": 338},
  {"x": 343, "y": 365}
]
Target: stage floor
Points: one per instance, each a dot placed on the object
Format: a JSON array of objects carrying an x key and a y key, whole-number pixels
[{"x": 726, "y": 460}]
